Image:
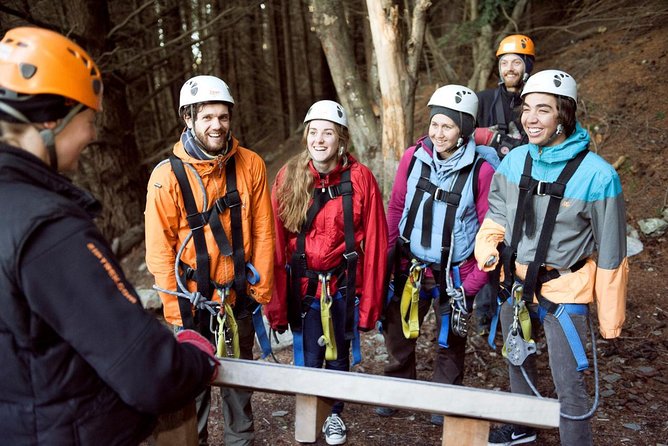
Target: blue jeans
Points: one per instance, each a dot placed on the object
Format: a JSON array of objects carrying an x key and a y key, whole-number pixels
[
  {"x": 568, "y": 382},
  {"x": 314, "y": 354}
]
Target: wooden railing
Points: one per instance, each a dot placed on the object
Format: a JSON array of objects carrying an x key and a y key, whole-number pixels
[{"x": 468, "y": 411}]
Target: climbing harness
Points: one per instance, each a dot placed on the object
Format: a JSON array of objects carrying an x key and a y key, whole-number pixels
[
  {"x": 407, "y": 282},
  {"x": 299, "y": 305},
  {"x": 517, "y": 347},
  {"x": 243, "y": 271}
]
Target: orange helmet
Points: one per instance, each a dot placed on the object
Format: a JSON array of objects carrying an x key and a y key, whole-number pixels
[
  {"x": 36, "y": 61},
  {"x": 516, "y": 44}
]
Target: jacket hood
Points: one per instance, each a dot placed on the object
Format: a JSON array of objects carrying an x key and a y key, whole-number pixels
[
  {"x": 565, "y": 151},
  {"x": 19, "y": 165}
]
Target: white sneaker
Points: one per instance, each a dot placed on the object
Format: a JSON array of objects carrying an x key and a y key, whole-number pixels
[{"x": 334, "y": 430}]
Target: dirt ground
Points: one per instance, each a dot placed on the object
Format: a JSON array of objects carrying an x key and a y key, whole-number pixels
[{"x": 621, "y": 76}]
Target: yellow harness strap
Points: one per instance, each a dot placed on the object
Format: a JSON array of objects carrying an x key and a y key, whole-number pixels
[
  {"x": 227, "y": 327},
  {"x": 410, "y": 298},
  {"x": 522, "y": 315},
  {"x": 327, "y": 339}
]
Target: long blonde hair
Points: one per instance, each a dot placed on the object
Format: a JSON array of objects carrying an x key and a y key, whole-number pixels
[{"x": 294, "y": 191}]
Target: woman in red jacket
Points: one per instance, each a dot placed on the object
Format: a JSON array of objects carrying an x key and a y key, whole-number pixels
[{"x": 331, "y": 243}]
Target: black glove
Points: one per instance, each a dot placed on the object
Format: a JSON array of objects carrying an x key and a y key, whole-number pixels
[{"x": 485, "y": 306}]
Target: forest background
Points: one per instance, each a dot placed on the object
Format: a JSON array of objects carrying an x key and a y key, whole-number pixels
[{"x": 382, "y": 59}]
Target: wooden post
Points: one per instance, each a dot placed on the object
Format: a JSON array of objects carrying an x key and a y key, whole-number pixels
[
  {"x": 310, "y": 414},
  {"x": 466, "y": 431},
  {"x": 177, "y": 428}
]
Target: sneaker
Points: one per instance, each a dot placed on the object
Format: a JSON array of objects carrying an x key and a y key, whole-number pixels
[
  {"x": 436, "y": 419},
  {"x": 510, "y": 434},
  {"x": 385, "y": 411},
  {"x": 334, "y": 430}
]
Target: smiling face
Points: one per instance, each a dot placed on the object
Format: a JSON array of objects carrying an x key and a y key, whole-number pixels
[
  {"x": 74, "y": 138},
  {"x": 540, "y": 117},
  {"x": 444, "y": 134},
  {"x": 211, "y": 126},
  {"x": 511, "y": 69},
  {"x": 322, "y": 142}
]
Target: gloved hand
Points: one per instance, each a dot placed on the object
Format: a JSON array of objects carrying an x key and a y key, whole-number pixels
[
  {"x": 193, "y": 338},
  {"x": 485, "y": 306},
  {"x": 504, "y": 143}
]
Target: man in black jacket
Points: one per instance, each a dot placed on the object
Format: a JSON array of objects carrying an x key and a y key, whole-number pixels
[
  {"x": 498, "y": 115},
  {"x": 82, "y": 362}
]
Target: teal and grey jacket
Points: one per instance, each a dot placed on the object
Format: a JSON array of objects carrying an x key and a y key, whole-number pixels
[{"x": 590, "y": 225}]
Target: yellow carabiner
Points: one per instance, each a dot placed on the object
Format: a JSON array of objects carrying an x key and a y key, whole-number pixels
[
  {"x": 327, "y": 339},
  {"x": 410, "y": 298},
  {"x": 227, "y": 344}
]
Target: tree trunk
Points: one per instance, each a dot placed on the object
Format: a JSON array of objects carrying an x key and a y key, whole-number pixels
[
  {"x": 327, "y": 19},
  {"x": 290, "y": 86},
  {"x": 111, "y": 168},
  {"x": 397, "y": 77}
]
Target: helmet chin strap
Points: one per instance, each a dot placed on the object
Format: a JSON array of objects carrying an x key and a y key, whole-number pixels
[{"x": 49, "y": 135}]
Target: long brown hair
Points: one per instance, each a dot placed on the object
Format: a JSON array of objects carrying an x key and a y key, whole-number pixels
[{"x": 294, "y": 191}]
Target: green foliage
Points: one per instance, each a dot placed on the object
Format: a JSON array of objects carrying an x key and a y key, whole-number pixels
[{"x": 489, "y": 13}]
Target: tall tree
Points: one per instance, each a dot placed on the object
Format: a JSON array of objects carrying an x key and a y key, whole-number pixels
[
  {"x": 112, "y": 169},
  {"x": 397, "y": 61},
  {"x": 327, "y": 17}
]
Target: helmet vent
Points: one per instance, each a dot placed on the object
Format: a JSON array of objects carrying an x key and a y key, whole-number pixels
[{"x": 27, "y": 70}]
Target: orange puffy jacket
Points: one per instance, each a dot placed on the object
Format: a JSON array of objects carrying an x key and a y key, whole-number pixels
[{"x": 167, "y": 228}]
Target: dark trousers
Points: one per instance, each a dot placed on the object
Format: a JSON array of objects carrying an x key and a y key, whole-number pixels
[
  {"x": 448, "y": 363},
  {"x": 236, "y": 403},
  {"x": 569, "y": 383}
]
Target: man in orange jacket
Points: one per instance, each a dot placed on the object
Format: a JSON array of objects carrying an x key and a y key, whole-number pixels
[{"x": 209, "y": 217}]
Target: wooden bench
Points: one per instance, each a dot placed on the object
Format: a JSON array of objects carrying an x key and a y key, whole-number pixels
[{"x": 467, "y": 411}]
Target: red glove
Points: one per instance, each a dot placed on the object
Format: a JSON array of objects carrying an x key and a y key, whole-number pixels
[{"x": 193, "y": 338}]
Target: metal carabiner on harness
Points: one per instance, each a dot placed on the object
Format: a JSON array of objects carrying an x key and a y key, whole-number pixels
[
  {"x": 459, "y": 318},
  {"x": 227, "y": 335},
  {"x": 519, "y": 345}
]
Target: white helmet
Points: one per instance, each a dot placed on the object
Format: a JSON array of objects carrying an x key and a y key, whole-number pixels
[
  {"x": 555, "y": 82},
  {"x": 456, "y": 97},
  {"x": 327, "y": 110},
  {"x": 204, "y": 89}
]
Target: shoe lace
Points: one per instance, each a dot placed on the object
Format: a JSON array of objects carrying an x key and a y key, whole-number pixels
[{"x": 335, "y": 425}]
